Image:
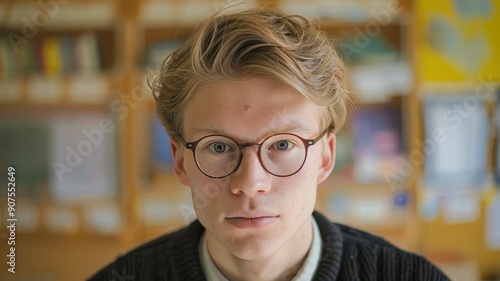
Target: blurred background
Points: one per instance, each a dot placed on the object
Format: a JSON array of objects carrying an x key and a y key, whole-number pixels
[{"x": 418, "y": 160}]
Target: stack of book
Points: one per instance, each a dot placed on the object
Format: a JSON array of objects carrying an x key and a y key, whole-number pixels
[{"x": 51, "y": 56}]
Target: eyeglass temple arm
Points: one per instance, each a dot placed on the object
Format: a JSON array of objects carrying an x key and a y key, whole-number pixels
[
  {"x": 315, "y": 140},
  {"x": 183, "y": 141}
]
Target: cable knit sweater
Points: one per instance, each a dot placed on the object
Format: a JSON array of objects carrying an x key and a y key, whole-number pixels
[{"x": 348, "y": 254}]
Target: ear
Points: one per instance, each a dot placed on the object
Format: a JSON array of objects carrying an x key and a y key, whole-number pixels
[
  {"x": 178, "y": 152},
  {"x": 327, "y": 158}
]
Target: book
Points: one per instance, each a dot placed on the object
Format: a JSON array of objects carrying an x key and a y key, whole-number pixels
[
  {"x": 87, "y": 54},
  {"x": 40, "y": 62},
  {"x": 378, "y": 143},
  {"x": 68, "y": 54},
  {"x": 28, "y": 59},
  {"x": 8, "y": 60},
  {"x": 51, "y": 55}
]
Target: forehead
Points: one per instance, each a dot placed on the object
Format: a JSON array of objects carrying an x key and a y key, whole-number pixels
[{"x": 249, "y": 108}]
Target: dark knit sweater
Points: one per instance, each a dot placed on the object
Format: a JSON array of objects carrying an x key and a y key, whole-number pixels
[{"x": 348, "y": 254}]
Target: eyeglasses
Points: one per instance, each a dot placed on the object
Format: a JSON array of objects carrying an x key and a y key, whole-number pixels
[{"x": 282, "y": 155}]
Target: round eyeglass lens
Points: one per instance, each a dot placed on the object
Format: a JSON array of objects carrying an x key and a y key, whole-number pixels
[
  {"x": 217, "y": 156},
  {"x": 283, "y": 154}
]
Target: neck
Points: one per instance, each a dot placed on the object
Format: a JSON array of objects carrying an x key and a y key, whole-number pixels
[{"x": 280, "y": 265}]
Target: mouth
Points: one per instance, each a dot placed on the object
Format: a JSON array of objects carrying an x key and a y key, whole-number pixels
[{"x": 257, "y": 222}]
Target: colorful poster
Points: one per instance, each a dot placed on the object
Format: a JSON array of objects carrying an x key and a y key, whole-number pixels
[{"x": 457, "y": 40}]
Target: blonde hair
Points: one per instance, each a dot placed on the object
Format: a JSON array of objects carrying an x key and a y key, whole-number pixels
[{"x": 255, "y": 42}]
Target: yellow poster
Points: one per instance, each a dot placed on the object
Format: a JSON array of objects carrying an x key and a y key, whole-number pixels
[{"x": 457, "y": 40}]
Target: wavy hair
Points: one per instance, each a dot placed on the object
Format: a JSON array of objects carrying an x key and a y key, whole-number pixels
[{"x": 255, "y": 42}]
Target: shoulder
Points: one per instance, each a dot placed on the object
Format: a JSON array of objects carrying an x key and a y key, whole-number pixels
[
  {"x": 152, "y": 260},
  {"x": 362, "y": 239},
  {"x": 364, "y": 254}
]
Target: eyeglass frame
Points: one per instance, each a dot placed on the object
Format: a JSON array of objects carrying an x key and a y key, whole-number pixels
[{"x": 192, "y": 146}]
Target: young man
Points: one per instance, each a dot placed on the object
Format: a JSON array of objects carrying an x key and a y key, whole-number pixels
[{"x": 252, "y": 101}]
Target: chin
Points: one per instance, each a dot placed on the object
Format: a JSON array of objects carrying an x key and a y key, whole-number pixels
[{"x": 253, "y": 248}]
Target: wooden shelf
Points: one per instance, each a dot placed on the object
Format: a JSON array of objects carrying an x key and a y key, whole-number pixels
[{"x": 86, "y": 91}]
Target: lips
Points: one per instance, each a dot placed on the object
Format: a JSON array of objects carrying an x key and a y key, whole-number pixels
[{"x": 252, "y": 221}]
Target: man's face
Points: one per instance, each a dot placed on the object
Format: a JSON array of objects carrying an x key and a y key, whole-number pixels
[{"x": 252, "y": 213}]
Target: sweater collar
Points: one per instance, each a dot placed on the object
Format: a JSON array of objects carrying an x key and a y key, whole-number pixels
[
  {"x": 185, "y": 261},
  {"x": 187, "y": 266},
  {"x": 331, "y": 256}
]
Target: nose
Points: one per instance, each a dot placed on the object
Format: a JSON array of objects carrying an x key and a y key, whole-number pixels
[{"x": 250, "y": 178}]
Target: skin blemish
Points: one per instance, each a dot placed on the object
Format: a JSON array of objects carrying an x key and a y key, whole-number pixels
[{"x": 246, "y": 108}]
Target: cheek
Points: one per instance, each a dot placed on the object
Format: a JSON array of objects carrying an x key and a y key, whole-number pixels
[
  {"x": 313, "y": 162},
  {"x": 298, "y": 191},
  {"x": 310, "y": 170},
  {"x": 191, "y": 168},
  {"x": 205, "y": 193}
]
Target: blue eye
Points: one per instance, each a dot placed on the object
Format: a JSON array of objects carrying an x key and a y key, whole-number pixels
[
  {"x": 219, "y": 147},
  {"x": 282, "y": 145}
]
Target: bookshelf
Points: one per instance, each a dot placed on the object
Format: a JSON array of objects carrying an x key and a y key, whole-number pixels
[
  {"x": 444, "y": 78},
  {"x": 60, "y": 78},
  {"x": 125, "y": 44},
  {"x": 63, "y": 110}
]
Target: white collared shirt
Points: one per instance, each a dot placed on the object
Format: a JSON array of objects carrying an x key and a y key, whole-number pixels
[{"x": 305, "y": 273}]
